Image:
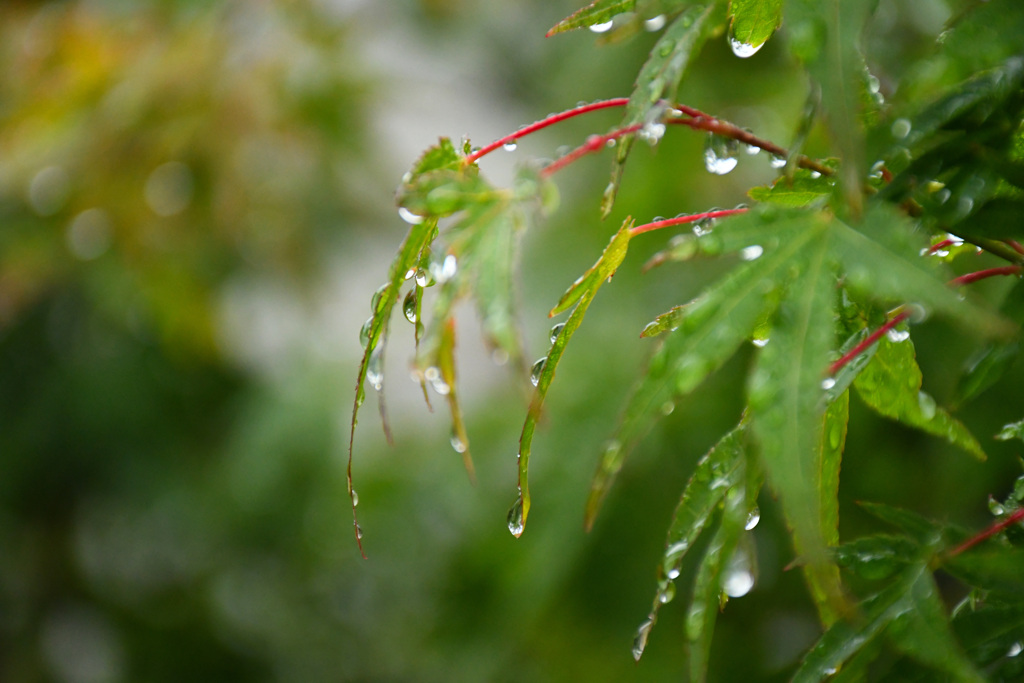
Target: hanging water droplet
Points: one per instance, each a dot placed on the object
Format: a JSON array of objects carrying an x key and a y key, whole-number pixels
[
  {"x": 667, "y": 593},
  {"x": 409, "y": 306},
  {"x": 458, "y": 445},
  {"x": 927, "y": 405},
  {"x": 668, "y": 407},
  {"x": 828, "y": 383},
  {"x": 408, "y": 216},
  {"x": 359, "y": 532},
  {"x": 510, "y": 146},
  {"x": 672, "y": 573},
  {"x": 995, "y": 507},
  {"x": 375, "y": 368},
  {"x": 830, "y": 671},
  {"x": 355, "y": 498},
  {"x": 752, "y": 150},
  {"x": 364, "y": 332},
  {"x": 602, "y": 27},
  {"x": 760, "y": 342},
  {"x": 743, "y": 50},
  {"x": 555, "y": 331},
  {"x": 876, "y": 171},
  {"x": 753, "y": 517},
  {"x": 1015, "y": 649},
  {"x": 409, "y": 274},
  {"x": 918, "y": 313},
  {"x": 738, "y": 579},
  {"x": 445, "y": 270},
  {"x": 424, "y": 279},
  {"x": 377, "y": 299},
  {"x": 775, "y": 161},
  {"x": 655, "y": 23},
  {"x": 873, "y": 83},
  {"x": 897, "y": 336},
  {"x": 752, "y": 253},
  {"x": 900, "y": 128},
  {"x": 515, "y": 518},
  {"x": 537, "y": 369},
  {"x": 640, "y": 641},
  {"x": 719, "y": 154}
]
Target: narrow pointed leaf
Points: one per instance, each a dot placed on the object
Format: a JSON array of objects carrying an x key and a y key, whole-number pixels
[
  {"x": 494, "y": 285},
  {"x": 877, "y": 557},
  {"x": 659, "y": 79},
  {"x": 597, "y": 12},
  {"x": 710, "y": 329},
  {"x": 891, "y": 386},
  {"x": 924, "y": 633},
  {"x": 989, "y": 365},
  {"x": 879, "y": 272},
  {"x": 802, "y": 189},
  {"x": 1000, "y": 218},
  {"x": 446, "y": 366},
  {"x": 921, "y": 529},
  {"x": 992, "y": 566},
  {"x": 990, "y": 631},
  {"x": 605, "y": 267},
  {"x": 787, "y": 404},
  {"x": 754, "y": 21},
  {"x": 829, "y": 457}
]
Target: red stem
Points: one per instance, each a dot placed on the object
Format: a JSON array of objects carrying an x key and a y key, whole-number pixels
[
  {"x": 593, "y": 144},
  {"x": 938, "y": 246},
  {"x": 982, "y": 274},
  {"x": 544, "y": 123},
  {"x": 868, "y": 341},
  {"x": 1016, "y": 246},
  {"x": 988, "y": 533},
  {"x": 679, "y": 220}
]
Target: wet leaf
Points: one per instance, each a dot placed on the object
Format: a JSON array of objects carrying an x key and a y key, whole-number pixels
[
  {"x": 754, "y": 21},
  {"x": 921, "y": 529},
  {"x": 877, "y": 557},
  {"x": 830, "y": 456},
  {"x": 1013, "y": 430},
  {"x": 658, "y": 80},
  {"x": 990, "y": 631},
  {"x": 494, "y": 284},
  {"x": 803, "y": 189},
  {"x": 597, "y": 12},
  {"x": 446, "y": 367},
  {"x": 999, "y": 218},
  {"x": 985, "y": 368},
  {"x": 992, "y": 565},
  {"x": 891, "y": 386},
  {"x": 582, "y": 292}
]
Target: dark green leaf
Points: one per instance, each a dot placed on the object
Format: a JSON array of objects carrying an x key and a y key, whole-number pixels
[
  {"x": 1013, "y": 430},
  {"x": 921, "y": 529},
  {"x": 891, "y": 386},
  {"x": 754, "y": 21},
  {"x": 985, "y": 368},
  {"x": 1000, "y": 218},
  {"x": 993, "y": 565},
  {"x": 990, "y": 632},
  {"x": 877, "y": 557}
]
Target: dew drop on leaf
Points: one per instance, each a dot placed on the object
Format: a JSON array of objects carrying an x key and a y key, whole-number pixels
[
  {"x": 828, "y": 383},
  {"x": 760, "y": 342},
  {"x": 672, "y": 573},
  {"x": 900, "y": 128},
  {"x": 378, "y": 297},
  {"x": 665, "y": 47},
  {"x": 355, "y": 498},
  {"x": 603, "y": 27},
  {"x": 743, "y": 50},
  {"x": 897, "y": 336},
  {"x": 753, "y": 517},
  {"x": 359, "y": 532},
  {"x": 738, "y": 579},
  {"x": 667, "y": 593},
  {"x": 720, "y": 154},
  {"x": 424, "y": 279},
  {"x": 655, "y": 23},
  {"x": 409, "y": 306},
  {"x": 995, "y": 507},
  {"x": 458, "y": 445},
  {"x": 927, "y": 405},
  {"x": 364, "y": 332},
  {"x": 1015, "y": 649},
  {"x": 752, "y": 253},
  {"x": 536, "y": 370},
  {"x": 409, "y": 274},
  {"x": 515, "y": 518},
  {"x": 640, "y": 641},
  {"x": 555, "y": 331},
  {"x": 408, "y": 216},
  {"x": 375, "y": 368}
]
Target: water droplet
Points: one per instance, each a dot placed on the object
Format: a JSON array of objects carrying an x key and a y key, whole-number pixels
[
  {"x": 359, "y": 532},
  {"x": 815, "y": 175},
  {"x": 665, "y": 47},
  {"x": 918, "y": 313},
  {"x": 609, "y": 143},
  {"x": 424, "y": 279},
  {"x": 995, "y": 507},
  {"x": 668, "y": 407},
  {"x": 652, "y": 132},
  {"x": 1015, "y": 649},
  {"x": 375, "y": 368},
  {"x": 927, "y": 405},
  {"x": 602, "y": 27},
  {"x": 355, "y": 498},
  {"x": 377, "y": 300},
  {"x": 499, "y": 356},
  {"x": 667, "y": 593},
  {"x": 555, "y": 331},
  {"x": 640, "y": 641},
  {"x": 753, "y": 517},
  {"x": 408, "y": 216},
  {"x": 515, "y": 518},
  {"x": 672, "y": 573},
  {"x": 444, "y": 271},
  {"x": 537, "y": 369},
  {"x": 364, "y": 332},
  {"x": 409, "y": 274},
  {"x": 409, "y": 306},
  {"x": 738, "y": 579},
  {"x": 828, "y": 383},
  {"x": 900, "y": 128},
  {"x": 752, "y": 150},
  {"x": 752, "y": 253},
  {"x": 655, "y": 23},
  {"x": 830, "y": 671},
  {"x": 760, "y": 342},
  {"x": 897, "y": 336},
  {"x": 510, "y": 146},
  {"x": 458, "y": 445},
  {"x": 719, "y": 154},
  {"x": 775, "y": 161},
  {"x": 743, "y": 50},
  {"x": 876, "y": 170}
]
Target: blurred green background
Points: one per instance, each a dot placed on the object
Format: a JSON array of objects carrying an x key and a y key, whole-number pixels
[{"x": 195, "y": 208}]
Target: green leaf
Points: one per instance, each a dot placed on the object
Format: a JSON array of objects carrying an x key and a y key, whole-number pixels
[
  {"x": 446, "y": 367},
  {"x": 921, "y": 529},
  {"x": 891, "y": 386},
  {"x": 1013, "y": 430},
  {"x": 709, "y": 330},
  {"x": 830, "y": 457},
  {"x": 924, "y": 633},
  {"x": 992, "y": 565},
  {"x": 803, "y": 189},
  {"x": 442, "y": 156},
  {"x": 987, "y": 367},
  {"x": 880, "y": 266},
  {"x": 844, "y": 639},
  {"x": 787, "y": 404},
  {"x": 597, "y": 12},
  {"x": 754, "y": 21},
  {"x": 990, "y": 631},
  {"x": 1000, "y": 218},
  {"x": 877, "y": 557},
  {"x": 658, "y": 81},
  {"x": 582, "y": 292},
  {"x": 493, "y": 266}
]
